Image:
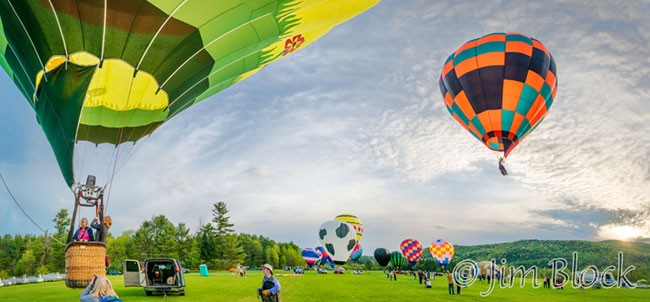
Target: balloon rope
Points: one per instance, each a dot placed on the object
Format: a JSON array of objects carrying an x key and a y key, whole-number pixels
[
  {"x": 23, "y": 210},
  {"x": 117, "y": 148}
]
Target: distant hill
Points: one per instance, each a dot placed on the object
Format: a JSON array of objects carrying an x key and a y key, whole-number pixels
[{"x": 540, "y": 252}]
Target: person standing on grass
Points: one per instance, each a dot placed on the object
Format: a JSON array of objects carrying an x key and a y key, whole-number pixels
[
  {"x": 270, "y": 290},
  {"x": 450, "y": 281}
]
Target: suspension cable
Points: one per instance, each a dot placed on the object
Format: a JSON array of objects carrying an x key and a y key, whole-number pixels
[{"x": 23, "y": 210}]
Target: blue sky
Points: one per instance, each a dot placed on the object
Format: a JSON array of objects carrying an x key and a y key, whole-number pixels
[{"x": 355, "y": 123}]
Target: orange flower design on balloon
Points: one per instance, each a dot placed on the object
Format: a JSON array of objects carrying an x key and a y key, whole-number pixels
[{"x": 293, "y": 44}]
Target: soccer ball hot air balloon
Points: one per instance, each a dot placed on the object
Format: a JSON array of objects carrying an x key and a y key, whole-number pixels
[
  {"x": 311, "y": 256},
  {"x": 442, "y": 251},
  {"x": 412, "y": 250},
  {"x": 397, "y": 260},
  {"x": 382, "y": 256},
  {"x": 338, "y": 238},
  {"x": 499, "y": 88},
  {"x": 104, "y": 74},
  {"x": 354, "y": 221}
]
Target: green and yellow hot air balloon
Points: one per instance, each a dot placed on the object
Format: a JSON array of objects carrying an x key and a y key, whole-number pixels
[{"x": 113, "y": 71}]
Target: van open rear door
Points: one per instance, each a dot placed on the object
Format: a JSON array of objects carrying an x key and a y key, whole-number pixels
[{"x": 133, "y": 277}]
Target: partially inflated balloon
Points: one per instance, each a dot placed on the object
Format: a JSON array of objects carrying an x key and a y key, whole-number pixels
[
  {"x": 325, "y": 257},
  {"x": 412, "y": 250},
  {"x": 311, "y": 256},
  {"x": 442, "y": 251},
  {"x": 488, "y": 268},
  {"x": 113, "y": 71},
  {"x": 338, "y": 238},
  {"x": 354, "y": 221},
  {"x": 397, "y": 260},
  {"x": 382, "y": 256},
  {"x": 357, "y": 252},
  {"x": 499, "y": 87}
]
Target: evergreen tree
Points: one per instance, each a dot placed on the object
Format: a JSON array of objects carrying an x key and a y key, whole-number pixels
[
  {"x": 207, "y": 243},
  {"x": 222, "y": 226},
  {"x": 61, "y": 221},
  {"x": 233, "y": 253}
]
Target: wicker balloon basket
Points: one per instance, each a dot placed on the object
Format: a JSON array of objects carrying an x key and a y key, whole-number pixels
[{"x": 83, "y": 260}]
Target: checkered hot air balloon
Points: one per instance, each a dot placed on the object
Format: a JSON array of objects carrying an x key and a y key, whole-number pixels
[
  {"x": 311, "y": 256},
  {"x": 499, "y": 87},
  {"x": 411, "y": 249},
  {"x": 442, "y": 251}
]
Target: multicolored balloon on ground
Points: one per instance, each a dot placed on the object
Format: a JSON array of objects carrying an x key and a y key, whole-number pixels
[
  {"x": 114, "y": 71},
  {"x": 311, "y": 256},
  {"x": 338, "y": 238},
  {"x": 411, "y": 249},
  {"x": 357, "y": 252},
  {"x": 325, "y": 257},
  {"x": 499, "y": 87},
  {"x": 382, "y": 256},
  {"x": 488, "y": 268},
  {"x": 397, "y": 260},
  {"x": 354, "y": 221},
  {"x": 442, "y": 251}
]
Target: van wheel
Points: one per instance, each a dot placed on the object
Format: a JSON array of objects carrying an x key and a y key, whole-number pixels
[
  {"x": 148, "y": 293},
  {"x": 182, "y": 293}
]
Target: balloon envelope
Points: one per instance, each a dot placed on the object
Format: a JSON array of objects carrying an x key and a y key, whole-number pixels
[
  {"x": 356, "y": 253},
  {"x": 499, "y": 87},
  {"x": 114, "y": 71},
  {"x": 338, "y": 238},
  {"x": 311, "y": 256},
  {"x": 354, "y": 221},
  {"x": 325, "y": 257},
  {"x": 442, "y": 251},
  {"x": 411, "y": 249},
  {"x": 382, "y": 256},
  {"x": 397, "y": 260}
]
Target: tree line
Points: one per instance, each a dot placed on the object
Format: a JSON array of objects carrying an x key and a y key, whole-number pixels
[{"x": 215, "y": 244}]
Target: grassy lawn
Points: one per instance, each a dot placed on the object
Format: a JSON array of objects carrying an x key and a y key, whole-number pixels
[{"x": 372, "y": 286}]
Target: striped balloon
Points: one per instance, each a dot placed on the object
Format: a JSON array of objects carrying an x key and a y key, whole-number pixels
[
  {"x": 311, "y": 256},
  {"x": 412, "y": 250},
  {"x": 397, "y": 260},
  {"x": 442, "y": 251}
]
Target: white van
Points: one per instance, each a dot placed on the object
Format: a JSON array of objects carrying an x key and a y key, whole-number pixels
[{"x": 161, "y": 275}]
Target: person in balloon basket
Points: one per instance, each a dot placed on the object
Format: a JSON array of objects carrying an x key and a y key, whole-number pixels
[
  {"x": 450, "y": 281},
  {"x": 100, "y": 289},
  {"x": 270, "y": 290},
  {"x": 102, "y": 228},
  {"x": 84, "y": 232},
  {"x": 502, "y": 167}
]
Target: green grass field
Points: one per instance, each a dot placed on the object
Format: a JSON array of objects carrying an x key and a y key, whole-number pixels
[{"x": 372, "y": 286}]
